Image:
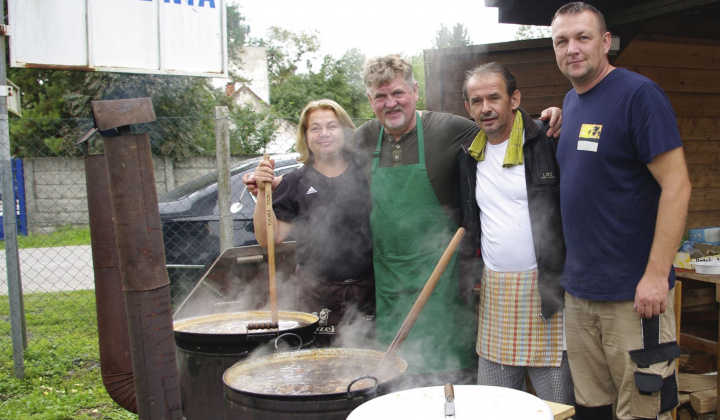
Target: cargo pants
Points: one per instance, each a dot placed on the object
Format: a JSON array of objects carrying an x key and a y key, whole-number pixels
[{"x": 618, "y": 358}]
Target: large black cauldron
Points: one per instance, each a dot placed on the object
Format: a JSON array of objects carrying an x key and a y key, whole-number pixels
[
  {"x": 316, "y": 384},
  {"x": 208, "y": 345}
]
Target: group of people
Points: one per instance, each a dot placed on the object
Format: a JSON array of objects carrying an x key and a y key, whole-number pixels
[{"x": 588, "y": 321}]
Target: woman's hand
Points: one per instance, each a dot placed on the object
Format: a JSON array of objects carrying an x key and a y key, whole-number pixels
[{"x": 264, "y": 173}]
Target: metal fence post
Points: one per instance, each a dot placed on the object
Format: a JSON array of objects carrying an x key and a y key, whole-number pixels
[
  {"x": 12, "y": 257},
  {"x": 222, "y": 152}
]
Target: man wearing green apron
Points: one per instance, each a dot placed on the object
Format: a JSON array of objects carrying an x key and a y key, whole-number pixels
[
  {"x": 415, "y": 212},
  {"x": 415, "y": 192}
]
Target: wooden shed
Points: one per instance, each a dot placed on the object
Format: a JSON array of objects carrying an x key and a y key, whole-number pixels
[{"x": 676, "y": 43}]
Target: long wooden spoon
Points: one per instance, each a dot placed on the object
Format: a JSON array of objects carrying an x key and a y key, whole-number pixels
[{"x": 271, "y": 250}]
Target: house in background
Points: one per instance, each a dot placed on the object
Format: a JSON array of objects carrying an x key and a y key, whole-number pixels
[
  {"x": 253, "y": 66},
  {"x": 256, "y": 94}
]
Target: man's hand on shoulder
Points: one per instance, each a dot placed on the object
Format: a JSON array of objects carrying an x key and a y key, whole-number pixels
[{"x": 554, "y": 114}]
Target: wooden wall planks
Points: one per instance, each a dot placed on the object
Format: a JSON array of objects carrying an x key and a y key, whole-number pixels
[
  {"x": 689, "y": 72},
  {"x": 687, "y": 69}
]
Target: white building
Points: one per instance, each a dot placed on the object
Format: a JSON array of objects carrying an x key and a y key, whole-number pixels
[{"x": 256, "y": 93}]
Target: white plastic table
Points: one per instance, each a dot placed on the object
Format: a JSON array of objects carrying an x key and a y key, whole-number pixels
[{"x": 471, "y": 402}]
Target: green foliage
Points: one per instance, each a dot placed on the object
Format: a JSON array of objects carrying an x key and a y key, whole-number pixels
[
  {"x": 42, "y": 91},
  {"x": 339, "y": 80},
  {"x": 43, "y": 101},
  {"x": 171, "y": 96},
  {"x": 250, "y": 131},
  {"x": 458, "y": 37},
  {"x": 62, "y": 373},
  {"x": 60, "y": 94},
  {"x": 64, "y": 236},
  {"x": 237, "y": 32},
  {"x": 418, "y": 65},
  {"x": 285, "y": 50},
  {"x": 55, "y": 144},
  {"x": 532, "y": 32},
  {"x": 251, "y": 128}
]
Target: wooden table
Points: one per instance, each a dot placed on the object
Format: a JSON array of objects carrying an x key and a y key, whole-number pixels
[
  {"x": 712, "y": 347},
  {"x": 561, "y": 411}
]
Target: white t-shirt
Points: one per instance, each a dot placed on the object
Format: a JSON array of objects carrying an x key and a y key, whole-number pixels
[{"x": 501, "y": 194}]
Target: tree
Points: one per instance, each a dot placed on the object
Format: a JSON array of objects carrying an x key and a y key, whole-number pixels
[
  {"x": 444, "y": 38},
  {"x": 532, "y": 32},
  {"x": 237, "y": 34},
  {"x": 250, "y": 130},
  {"x": 50, "y": 95},
  {"x": 339, "y": 80},
  {"x": 418, "y": 65},
  {"x": 172, "y": 96},
  {"x": 351, "y": 65},
  {"x": 43, "y": 103},
  {"x": 286, "y": 50},
  {"x": 345, "y": 80}
]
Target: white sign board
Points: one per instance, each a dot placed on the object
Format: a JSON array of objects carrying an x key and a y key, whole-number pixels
[{"x": 183, "y": 37}]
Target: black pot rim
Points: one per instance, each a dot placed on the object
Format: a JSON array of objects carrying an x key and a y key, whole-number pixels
[
  {"x": 241, "y": 343},
  {"x": 266, "y": 359}
]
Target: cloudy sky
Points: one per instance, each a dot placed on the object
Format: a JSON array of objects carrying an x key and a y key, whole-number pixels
[{"x": 376, "y": 27}]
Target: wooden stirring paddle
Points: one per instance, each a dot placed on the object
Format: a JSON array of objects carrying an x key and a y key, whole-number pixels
[{"x": 271, "y": 251}]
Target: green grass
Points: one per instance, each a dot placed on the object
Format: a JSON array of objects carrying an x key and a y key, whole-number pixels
[
  {"x": 63, "y": 236},
  {"x": 62, "y": 368}
]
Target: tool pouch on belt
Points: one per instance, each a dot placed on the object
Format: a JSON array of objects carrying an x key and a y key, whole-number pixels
[{"x": 655, "y": 373}]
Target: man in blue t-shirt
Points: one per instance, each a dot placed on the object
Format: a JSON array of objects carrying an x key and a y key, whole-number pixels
[{"x": 624, "y": 192}]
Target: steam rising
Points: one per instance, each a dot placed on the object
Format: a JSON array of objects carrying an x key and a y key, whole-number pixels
[{"x": 230, "y": 287}]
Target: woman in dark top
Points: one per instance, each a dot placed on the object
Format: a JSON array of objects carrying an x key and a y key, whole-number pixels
[{"x": 325, "y": 205}]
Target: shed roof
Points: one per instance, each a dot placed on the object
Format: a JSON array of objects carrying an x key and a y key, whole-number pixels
[{"x": 618, "y": 13}]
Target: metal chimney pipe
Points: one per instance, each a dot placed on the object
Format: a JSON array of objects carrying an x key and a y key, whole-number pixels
[
  {"x": 144, "y": 276},
  {"x": 141, "y": 257},
  {"x": 113, "y": 336}
]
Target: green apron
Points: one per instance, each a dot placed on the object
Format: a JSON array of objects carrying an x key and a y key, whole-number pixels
[{"x": 410, "y": 233}]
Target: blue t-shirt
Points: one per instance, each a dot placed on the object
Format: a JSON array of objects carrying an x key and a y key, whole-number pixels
[{"x": 608, "y": 197}]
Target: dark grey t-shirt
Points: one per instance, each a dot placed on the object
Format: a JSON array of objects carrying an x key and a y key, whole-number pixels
[
  {"x": 443, "y": 134},
  {"x": 331, "y": 221}
]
